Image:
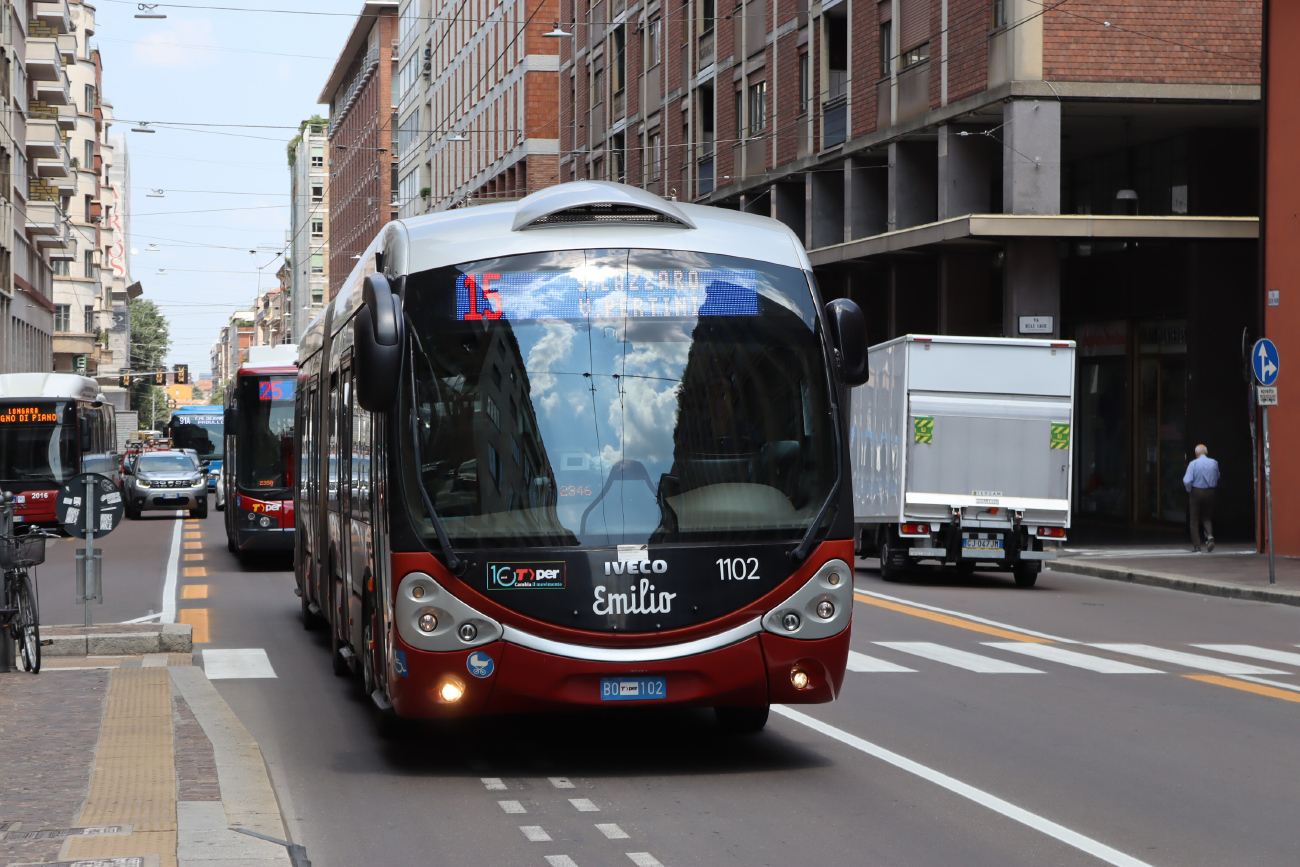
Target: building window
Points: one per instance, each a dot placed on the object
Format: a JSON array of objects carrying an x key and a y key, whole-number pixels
[
  {"x": 61, "y": 316},
  {"x": 999, "y": 13},
  {"x": 318, "y": 228},
  {"x": 655, "y": 155},
  {"x": 89, "y": 314},
  {"x": 886, "y": 48},
  {"x": 805, "y": 83},
  {"x": 317, "y": 157},
  {"x": 618, "y": 68},
  {"x": 90, "y": 155},
  {"x": 60, "y": 267},
  {"x": 757, "y": 108},
  {"x": 916, "y": 55},
  {"x": 90, "y": 99},
  {"x": 651, "y": 44},
  {"x": 618, "y": 157},
  {"x": 317, "y": 193},
  {"x": 318, "y": 263},
  {"x": 89, "y": 261},
  {"x": 493, "y": 412},
  {"x": 708, "y": 15},
  {"x": 740, "y": 114}
]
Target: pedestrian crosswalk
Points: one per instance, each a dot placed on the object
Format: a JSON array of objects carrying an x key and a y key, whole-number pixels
[{"x": 988, "y": 657}]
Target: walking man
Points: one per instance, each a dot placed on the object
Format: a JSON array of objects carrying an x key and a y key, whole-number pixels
[{"x": 1200, "y": 480}]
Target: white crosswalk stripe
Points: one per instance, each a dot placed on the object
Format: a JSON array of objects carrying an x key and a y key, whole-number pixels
[
  {"x": 1195, "y": 661},
  {"x": 1267, "y": 654},
  {"x": 959, "y": 658},
  {"x": 862, "y": 662},
  {"x": 1072, "y": 658},
  {"x": 242, "y": 662}
]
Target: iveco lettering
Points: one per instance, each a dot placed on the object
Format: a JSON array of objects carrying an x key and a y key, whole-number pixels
[{"x": 589, "y": 446}]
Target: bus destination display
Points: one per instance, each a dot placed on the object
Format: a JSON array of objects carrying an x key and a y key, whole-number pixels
[
  {"x": 276, "y": 389},
  {"x": 21, "y": 414},
  {"x": 617, "y": 293}
]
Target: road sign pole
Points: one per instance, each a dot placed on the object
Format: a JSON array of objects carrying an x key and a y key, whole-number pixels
[
  {"x": 92, "y": 574},
  {"x": 1268, "y": 501}
]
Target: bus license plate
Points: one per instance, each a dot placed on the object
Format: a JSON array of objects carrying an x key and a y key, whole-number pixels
[
  {"x": 633, "y": 688},
  {"x": 982, "y": 544}
]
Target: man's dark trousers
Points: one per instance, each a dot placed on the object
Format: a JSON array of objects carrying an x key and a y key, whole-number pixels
[{"x": 1201, "y": 511}]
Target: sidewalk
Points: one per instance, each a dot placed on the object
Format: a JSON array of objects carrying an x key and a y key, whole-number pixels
[
  {"x": 1234, "y": 572},
  {"x": 130, "y": 761}
]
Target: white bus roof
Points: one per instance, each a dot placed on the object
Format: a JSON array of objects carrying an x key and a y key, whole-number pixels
[
  {"x": 64, "y": 385},
  {"x": 553, "y": 219}
]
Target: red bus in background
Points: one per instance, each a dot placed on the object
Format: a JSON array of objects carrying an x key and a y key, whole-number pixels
[
  {"x": 258, "y": 470},
  {"x": 52, "y": 427}
]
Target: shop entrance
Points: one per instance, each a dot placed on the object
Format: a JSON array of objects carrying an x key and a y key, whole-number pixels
[{"x": 1161, "y": 421}]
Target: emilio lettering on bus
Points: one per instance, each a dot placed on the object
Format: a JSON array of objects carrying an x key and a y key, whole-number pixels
[
  {"x": 640, "y": 598},
  {"x": 529, "y": 576}
]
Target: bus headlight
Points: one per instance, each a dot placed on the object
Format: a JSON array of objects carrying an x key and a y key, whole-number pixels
[
  {"x": 428, "y": 622},
  {"x": 264, "y": 522},
  {"x": 467, "y": 632},
  {"x": 825, "y": 609},
  {"x": 821, "y": 608},
  {"x": 451, "y": 690},
  {"x": 799, "y": 678},
  {"x": 789, "y": 621}
]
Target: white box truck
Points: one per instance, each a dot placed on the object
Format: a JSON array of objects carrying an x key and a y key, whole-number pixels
[{"x": 962, "y": 453}]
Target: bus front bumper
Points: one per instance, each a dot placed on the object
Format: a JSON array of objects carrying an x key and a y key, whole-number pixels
[
  {"x": 753, "y": 671},
  {"x": 264, "y": 538}
]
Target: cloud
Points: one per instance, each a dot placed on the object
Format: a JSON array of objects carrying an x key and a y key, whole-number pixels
[
  {"x": 554, "y": 345},
  {"x": 175, "y": 48}
]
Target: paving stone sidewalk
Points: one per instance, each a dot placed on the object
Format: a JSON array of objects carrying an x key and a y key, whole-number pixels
[
  {"x": 130, "y": 762},
  {"x": 1233, "y": 572}
]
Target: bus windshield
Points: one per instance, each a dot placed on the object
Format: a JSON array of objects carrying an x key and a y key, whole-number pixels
[
  {"x": 35, "y": 444},
  {"x": 202, "y": 432},
  {"x": 264, "y": 457},
  {"x": 605, "y": 397}
]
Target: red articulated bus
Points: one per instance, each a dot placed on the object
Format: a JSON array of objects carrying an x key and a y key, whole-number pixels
[
  {"x": 587, "y": 447},
  {"x": 52, "y": 427},
  {"x": 258, "y": 466}
]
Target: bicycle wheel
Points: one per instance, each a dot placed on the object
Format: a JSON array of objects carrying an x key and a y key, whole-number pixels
[{"x": 26, "y": 624}]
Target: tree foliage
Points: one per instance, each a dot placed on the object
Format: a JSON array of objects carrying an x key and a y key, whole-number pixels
[{"x": 150, "y": 341}]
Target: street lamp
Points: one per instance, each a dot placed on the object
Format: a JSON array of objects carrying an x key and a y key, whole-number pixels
[
  {"x": 142, "y": 126},
  {"x": 557, "y": 33},
  {"x": 147, "y": 11}
]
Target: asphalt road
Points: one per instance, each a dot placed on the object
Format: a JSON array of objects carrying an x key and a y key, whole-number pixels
[{"x": 1159, "y": 758}]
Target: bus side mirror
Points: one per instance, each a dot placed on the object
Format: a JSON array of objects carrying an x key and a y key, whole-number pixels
[
  {"x": 377, "y": 345},
  {"x": 848, "y": 331}
]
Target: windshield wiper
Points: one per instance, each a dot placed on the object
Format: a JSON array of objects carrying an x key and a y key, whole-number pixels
[{"x": 455, "y": 565}]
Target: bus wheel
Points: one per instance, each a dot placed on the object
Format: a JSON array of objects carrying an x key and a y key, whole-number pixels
[{"x": 742, "y": 720}]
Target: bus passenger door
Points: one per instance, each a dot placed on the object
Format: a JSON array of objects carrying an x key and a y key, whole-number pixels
[
  {"x": 358, "y": 512},
  {"x": 335, "y": 545}
]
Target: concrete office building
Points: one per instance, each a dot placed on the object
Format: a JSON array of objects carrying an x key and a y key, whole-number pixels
[
  {"x": 981, "y": 167},
  {"x": 121, "y": 288},
  {"x": 362, "y": 128},
  {"x": 477, "y": 102},
  {"x": 309, "y": 242}
]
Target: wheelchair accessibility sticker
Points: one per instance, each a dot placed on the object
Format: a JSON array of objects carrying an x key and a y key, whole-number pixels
[
  {"x": 399, "y": 664},
  {"x": 480, "y": 664}
]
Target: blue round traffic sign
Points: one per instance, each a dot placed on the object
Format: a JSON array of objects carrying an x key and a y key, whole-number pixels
[{"x": 1265, "y": 361}]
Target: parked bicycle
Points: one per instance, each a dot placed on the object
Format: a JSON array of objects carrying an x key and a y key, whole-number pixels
[{"x": 19, "y": 606}]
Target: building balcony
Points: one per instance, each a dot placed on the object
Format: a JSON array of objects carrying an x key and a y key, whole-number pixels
[
  {"x": 64, "y": 115},
  {"x": 74, "y": 343},
  {"x": 55, "y": 165},
  {"x": 44, "y": 139},
  {"x": 54, "y": 92},
  {"x": 52, "y": 14},
  {"x": 67, "y": 48},
  {"x": 44, "y": 217},
  {"x": 43, "y": 61}
]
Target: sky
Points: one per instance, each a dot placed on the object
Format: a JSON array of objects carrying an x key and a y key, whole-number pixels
[{"x": 225, "y": 188}]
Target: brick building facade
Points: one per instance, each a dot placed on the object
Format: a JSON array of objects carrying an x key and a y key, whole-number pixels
[
  {"x": 362, "y": 131},
  {"x": 986, "y": 167}
]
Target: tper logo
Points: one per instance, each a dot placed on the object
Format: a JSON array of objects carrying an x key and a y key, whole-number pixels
[{"x": 526, "y": 576}]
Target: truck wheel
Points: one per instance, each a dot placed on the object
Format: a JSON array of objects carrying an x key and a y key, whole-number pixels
[
  {"x": 965, "y": 568},
  {"x": 889, "y": 571},
  {"x": 1025, "y": 574}
]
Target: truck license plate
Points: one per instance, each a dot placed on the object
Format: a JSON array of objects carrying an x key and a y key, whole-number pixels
[
  {"x": 982, "y": 544},
  {"x": 633, "y": 688}
]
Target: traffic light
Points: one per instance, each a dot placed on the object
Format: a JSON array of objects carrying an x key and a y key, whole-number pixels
[
  {"x": 182, "y": 372},
  {"x": 124, "y": 380},
  {"x": 160, "y": 378}
]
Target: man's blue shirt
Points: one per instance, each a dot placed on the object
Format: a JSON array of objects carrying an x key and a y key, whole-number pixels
[{"x": 1202, "y": 473}]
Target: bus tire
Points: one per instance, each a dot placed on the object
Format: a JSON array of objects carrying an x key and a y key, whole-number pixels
[
  {"x": 742, "y": 720},
  {"x": 1026, "y": 574}
]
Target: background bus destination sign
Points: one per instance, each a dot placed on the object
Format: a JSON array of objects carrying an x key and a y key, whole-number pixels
[
  {"x": 613, "y": 293},
  {"x": 275, "y": 389},
  {"x": 20, "y": 414}
]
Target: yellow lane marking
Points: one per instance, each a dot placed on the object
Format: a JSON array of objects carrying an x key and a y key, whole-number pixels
[
  {"x": 197, "y": 618},
  {"x": 193, "y": 535},
  {"x": 196, "y": 572},
  {"x": 1258, "y": 689},
  {"x": 194, "y": 591},
  {"x": 193, "y": 545},
  {"x": 193, "y": 556},
  {"x": 193, "y": 521},
  {"x": 949, "y": 620}
]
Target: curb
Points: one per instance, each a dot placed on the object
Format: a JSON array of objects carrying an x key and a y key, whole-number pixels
[
  {"x": 171, "y": 638},
  {"x": 1204, "y": 586}
]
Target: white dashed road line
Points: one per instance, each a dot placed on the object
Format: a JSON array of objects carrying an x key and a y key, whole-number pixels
[
  {"x": 512, "y": 806},
  {"x": 1194, "y": 661},
  {"x": 494, "y": 784},
  {"x": 644, "y": 859},
  {"x": 584, "y": 805},
  {"x": 863, "y": 663},
  {"x": 535, "y": 833},
  {"x": 231, "y": 663},
  {"x": 959, "y": 658},
  {"x": 560, "y": 861},
  {"x": 1051, "y": 653},
  {"x": 560, "y": 782},
  {"x": 1039, "y": 823},
  {"x": 611, "y": 831},
  {"x": 1267, "y": 654}
]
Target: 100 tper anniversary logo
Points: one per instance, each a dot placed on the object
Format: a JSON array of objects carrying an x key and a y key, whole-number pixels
[{"x": 526, "y": 576}]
